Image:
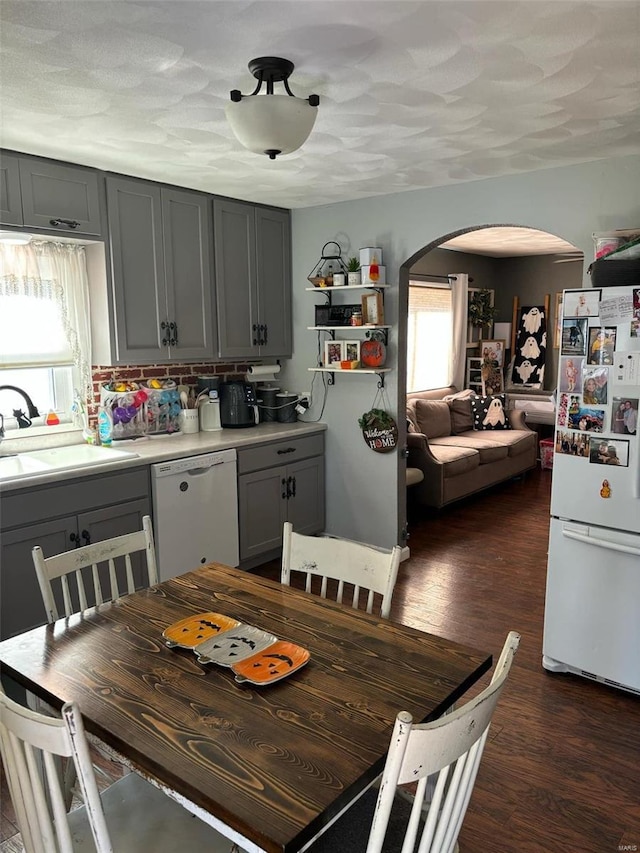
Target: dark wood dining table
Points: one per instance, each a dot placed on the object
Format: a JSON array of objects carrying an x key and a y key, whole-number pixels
[{"x": 271, "y": 766}]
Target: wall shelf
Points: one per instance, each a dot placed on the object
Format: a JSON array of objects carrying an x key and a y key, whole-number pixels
[
  {"x": 342, "y": 287},
  {"x": 380, "y": 371}
]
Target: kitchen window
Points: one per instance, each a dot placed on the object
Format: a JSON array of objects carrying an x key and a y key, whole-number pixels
[{"x": 44, "y": 327}]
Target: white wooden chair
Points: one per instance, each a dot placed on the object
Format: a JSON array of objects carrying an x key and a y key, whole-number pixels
[
  {"x": 365, "y": 569},
  {"x": 450, "y": 747},
  {"x": 67, "y": 568},
  {"x": 129, "y": 817}
]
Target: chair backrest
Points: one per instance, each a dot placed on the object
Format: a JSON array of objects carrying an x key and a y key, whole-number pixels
[
  {"x": 109, "y": 582},
  {"x": 450, "y": 747},
  {"x": 363, "y": 569},
  {"x": 32, "y": 745}
]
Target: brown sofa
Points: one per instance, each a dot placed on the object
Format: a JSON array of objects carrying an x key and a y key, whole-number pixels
[{"x": 457, "y": 460}]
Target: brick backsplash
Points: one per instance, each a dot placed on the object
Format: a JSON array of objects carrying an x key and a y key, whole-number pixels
[{"x": 181, "y": 374}]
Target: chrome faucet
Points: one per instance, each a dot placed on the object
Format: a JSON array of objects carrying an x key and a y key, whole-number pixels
[{"x": 23, "y": 421}]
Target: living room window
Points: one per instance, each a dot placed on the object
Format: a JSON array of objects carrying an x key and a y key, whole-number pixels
[{"x": 429, "y": 336}]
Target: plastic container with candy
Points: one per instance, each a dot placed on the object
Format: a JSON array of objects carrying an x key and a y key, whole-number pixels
[{"x": 127, "y": 405}]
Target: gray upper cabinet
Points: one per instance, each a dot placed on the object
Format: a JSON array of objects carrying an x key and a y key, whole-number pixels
[
  {"x": 160, "y": 250},
  {"x": 253, "y": 275},
  {"x": 10, "y": 199},
  {"x": 60, "y": 197}
]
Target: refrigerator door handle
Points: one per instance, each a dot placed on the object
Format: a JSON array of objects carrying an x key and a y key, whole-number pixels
[{"x": 601, "y": 543}]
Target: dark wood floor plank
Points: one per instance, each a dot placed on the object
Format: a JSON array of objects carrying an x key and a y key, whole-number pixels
[{"x": 560, "y": 770}]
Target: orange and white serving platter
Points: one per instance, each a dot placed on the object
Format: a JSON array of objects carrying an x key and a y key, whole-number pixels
[
  {"x": 234, "y": 645},
  {"x": 194, "y": 630},
  {"x": 271, "y": 664}
]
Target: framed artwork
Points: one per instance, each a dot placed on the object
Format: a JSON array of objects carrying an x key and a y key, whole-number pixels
[
  {"x": 351, "y": 350},
  {"x": 372, "y": 310},
  {"x": 493, "y": 351},
  {"x": 333, "y": 353},
  {"x": 573, "y": 339},
  {"x": 557, "y": 329},
  {"x": 582, "y": 303},
  {"x": 602, "y": 343}
]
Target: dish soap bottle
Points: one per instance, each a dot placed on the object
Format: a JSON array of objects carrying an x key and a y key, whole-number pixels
[{"x": 105, "y": 426}]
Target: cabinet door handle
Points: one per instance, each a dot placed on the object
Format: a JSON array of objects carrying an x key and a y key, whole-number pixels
[
  {"x": 86, "y": 536},
  {"x": 173, "y": 340},
  {"x": 165, "y": 340},
  {"x": 293, "y": 486},
  {"x": 75, "y": 539},
  {"x": 265, "y": 334},
  {"x": 70, "y": 223},
  {"x": 286, "y": 450},
  {"x": 285, "y": 493}
]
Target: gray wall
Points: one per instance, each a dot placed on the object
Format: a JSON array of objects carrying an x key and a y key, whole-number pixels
[{"x": 571, "y": 202}]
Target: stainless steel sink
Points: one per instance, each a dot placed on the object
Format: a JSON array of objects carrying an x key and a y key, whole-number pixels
[{"x": 59, "y": 459}]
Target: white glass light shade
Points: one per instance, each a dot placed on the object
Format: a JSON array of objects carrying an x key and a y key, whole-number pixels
[{"x": 271, "y": 123}]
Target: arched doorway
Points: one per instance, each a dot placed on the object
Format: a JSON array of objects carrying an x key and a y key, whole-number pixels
[{"x": 510, "y": 259}]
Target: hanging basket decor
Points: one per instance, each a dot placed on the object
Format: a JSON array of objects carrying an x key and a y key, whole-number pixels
[{"x": 379, "y": 430}]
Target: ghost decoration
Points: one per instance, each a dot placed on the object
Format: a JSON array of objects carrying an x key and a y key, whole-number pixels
[
  {"x": 541, "y": 373},
  {"x": 525, "y": 370},
  {"x": 495, "y": 414},
  {"x": 532, "y": 320},
  {"x": 543, "y": 342},
  {"x": 530, "y": 348}
]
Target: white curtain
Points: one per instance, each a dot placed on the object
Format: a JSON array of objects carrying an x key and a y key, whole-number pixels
[
  {"x": 459, "y": 291},
  {"x": 54, "y": 272}
]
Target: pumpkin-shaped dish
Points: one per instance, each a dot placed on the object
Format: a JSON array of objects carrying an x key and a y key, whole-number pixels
[
  {"x": 190, "y": 632},
  {"x": 235, "y": 645},
  {"x": 271, "y": 664}
]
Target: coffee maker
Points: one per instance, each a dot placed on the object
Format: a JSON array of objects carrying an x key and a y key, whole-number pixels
[{"x": 238, "y": 405}]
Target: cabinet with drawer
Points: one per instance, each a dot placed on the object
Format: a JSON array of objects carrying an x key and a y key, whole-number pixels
[
  {"x": 278, "y": 482},
  {"x": 60, "y": 518}
]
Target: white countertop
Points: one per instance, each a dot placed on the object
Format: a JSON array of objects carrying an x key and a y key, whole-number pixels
[{"x": 160, "y": 449}]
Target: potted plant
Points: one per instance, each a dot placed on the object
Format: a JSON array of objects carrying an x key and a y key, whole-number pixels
[
  {"x": 353, "y": 271},
  {"x": 481, "y": 311}
]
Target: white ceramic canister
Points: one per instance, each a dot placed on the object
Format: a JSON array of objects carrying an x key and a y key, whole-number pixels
[{"x": 210, "y": 413}]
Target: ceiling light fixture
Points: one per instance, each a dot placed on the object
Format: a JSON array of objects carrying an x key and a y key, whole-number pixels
[
  {"x": 271, "y": 124},
  {"x": 14, "y": 238}
]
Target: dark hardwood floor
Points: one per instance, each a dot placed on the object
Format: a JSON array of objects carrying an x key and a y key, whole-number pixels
[{"x": 560, "y": 771}]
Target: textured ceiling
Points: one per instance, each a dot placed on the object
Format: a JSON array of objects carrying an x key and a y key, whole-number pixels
[
  {"x": 412, "y": 94},
  {"x": 509, "y": 242}
]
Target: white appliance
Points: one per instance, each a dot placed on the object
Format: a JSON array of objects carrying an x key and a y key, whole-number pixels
[
  {"x": 195, "y": 509},
  {"x": 592, "y": 606}
]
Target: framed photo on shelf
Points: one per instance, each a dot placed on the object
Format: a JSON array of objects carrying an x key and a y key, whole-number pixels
[
  {"x": 351, "y": 350},
  {"x": 493, "y": 351},
  {"x": 372, "y": 310},
  {"x": 333, "y": 353}
]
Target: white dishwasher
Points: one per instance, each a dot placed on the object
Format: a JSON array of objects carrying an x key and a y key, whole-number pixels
[{"x": 195, "y": 512}]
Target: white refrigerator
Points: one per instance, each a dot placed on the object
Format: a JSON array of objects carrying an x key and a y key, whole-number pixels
[{"x": 592, "y": 605}]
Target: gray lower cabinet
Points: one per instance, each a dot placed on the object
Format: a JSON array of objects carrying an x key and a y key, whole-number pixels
[
  {"x": 41, "y": 516},
  {"x": 271, "y": 492},
  {"x": 253, "y": 280},
  {"x": 162, "y": 273}
]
